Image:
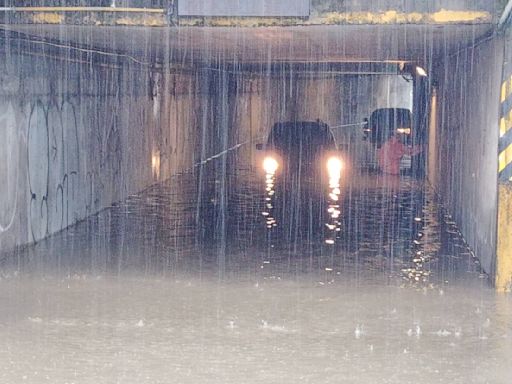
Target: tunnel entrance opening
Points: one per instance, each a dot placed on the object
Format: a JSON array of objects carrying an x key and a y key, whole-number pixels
[{"x": 229, "y": 106}]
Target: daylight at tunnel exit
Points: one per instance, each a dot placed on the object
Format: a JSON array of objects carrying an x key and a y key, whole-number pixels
[{"x": 239, "y": 191}]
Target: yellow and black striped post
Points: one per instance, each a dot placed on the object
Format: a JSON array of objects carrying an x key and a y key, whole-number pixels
[
  {"x": 504, "y": 245},
  {"x": 505, "y": 142}
]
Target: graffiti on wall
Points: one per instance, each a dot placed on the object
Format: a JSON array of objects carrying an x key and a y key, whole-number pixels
[
  {"x": 69, "y": 150},
  {"x": 47, "y": 150},
  {"x": 53, "y": 165}
]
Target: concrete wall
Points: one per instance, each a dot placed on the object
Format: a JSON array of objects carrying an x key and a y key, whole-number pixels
[
  {"x": 78, "y": 137},
  {"x": 466, "y": 142}
]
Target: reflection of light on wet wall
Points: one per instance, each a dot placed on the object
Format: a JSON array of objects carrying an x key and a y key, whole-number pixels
[{"x": 155, "y": 164}]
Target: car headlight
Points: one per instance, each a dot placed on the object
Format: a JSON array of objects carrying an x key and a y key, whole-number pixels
[
  {"x": 334, "y": 167},
  {"x": 270, "y": 165}
]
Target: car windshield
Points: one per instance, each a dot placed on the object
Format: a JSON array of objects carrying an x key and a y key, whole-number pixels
[
  {"x": 385, "y": 122},
  {"x": 301, "y": 138}
]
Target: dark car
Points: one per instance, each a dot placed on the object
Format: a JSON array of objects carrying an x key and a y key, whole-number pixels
[{"x": 303, "y": 177}]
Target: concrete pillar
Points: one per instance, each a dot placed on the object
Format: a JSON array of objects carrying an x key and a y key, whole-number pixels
[
  {"x": 504, "y": 252},
  {"x": 504, "y": 244}
]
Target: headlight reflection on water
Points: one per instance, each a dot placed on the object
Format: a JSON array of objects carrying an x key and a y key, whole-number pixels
[
  {"x": 334, "y": 169},
  {"x": 270, "y": 165}
]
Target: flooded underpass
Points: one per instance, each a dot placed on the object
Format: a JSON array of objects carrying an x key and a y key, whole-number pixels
[
  {"x": 312, "y": 191},
  {"x": 148, "y": 291}
]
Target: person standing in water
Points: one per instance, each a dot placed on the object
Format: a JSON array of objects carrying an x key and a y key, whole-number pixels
[{"x": 391, "y": 152}]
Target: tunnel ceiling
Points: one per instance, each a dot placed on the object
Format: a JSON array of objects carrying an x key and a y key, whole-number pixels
[{"x": 333, "y": 43}]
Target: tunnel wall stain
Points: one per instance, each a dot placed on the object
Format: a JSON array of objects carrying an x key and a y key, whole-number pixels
[
  {"x": 78, "y": 137},
  {"x": 401, "y": 5}
]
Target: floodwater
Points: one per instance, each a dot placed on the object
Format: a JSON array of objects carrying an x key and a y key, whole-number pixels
[{"x": 166, "y": 287}]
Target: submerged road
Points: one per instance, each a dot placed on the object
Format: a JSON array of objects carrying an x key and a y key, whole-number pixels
[
  {"x": 390, "y": 227},
  {"x": 173, "y": 285}
]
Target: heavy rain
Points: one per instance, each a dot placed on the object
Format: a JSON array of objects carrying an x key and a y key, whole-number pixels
[{"x": 255, "y": 192}]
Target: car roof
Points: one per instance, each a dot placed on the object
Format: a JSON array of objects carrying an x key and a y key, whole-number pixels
[{"x": 301, "y": 124}]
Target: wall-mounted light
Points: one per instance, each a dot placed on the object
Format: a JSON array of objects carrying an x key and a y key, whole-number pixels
[
  {"x": 421, "y": 72},
  {"x": 404, "y": 131}
]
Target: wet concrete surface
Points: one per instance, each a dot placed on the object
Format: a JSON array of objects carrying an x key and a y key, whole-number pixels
[{"x": 171, "y": 287}]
